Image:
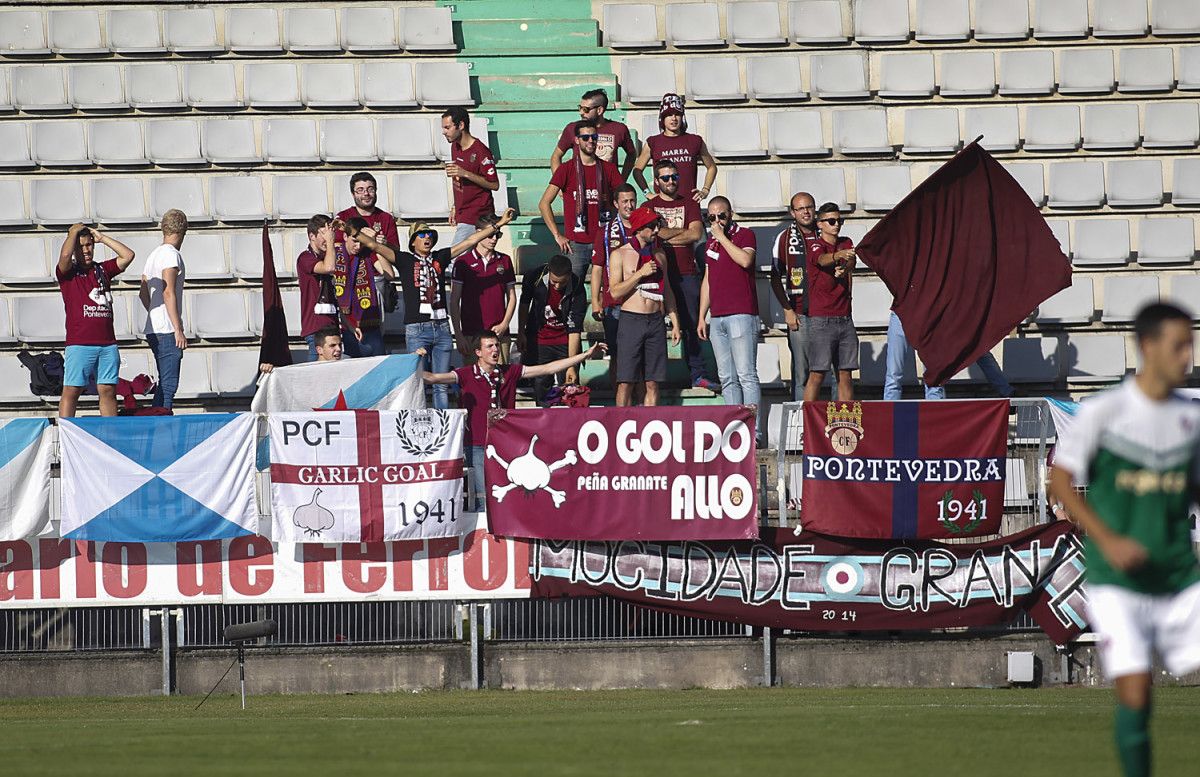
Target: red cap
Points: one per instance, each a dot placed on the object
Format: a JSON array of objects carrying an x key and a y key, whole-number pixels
[{"x": 642, "y": 217}]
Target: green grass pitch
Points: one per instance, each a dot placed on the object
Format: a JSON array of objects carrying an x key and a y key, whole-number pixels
[{"x": 1018, "y": 733}]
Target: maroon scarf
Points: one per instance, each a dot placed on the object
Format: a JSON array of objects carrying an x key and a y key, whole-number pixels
[
  {"x": 354, "y": 284},
  {"x": 581, "y": 193}
]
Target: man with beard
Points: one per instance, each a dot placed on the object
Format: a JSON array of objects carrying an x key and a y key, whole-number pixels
[
  {"x": 610, "y": 136},
  {"x": 789, "y": 281},
  {"x": 363, "y": 189},
  {"x": 473, "y": 171}
]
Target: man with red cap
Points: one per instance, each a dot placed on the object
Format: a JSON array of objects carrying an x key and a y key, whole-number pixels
[
  {"x": 638, "y": 283},
  {"x": 677, "y": 145}
]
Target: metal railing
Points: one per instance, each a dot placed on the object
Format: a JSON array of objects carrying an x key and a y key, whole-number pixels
[
  {"x": 325, "y": 623},
  {"x": 595, "y": 619},
  {"x": 75, "y": 629}
]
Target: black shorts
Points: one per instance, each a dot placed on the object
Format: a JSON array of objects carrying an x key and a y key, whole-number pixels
[{"x": 642, "y": 347}]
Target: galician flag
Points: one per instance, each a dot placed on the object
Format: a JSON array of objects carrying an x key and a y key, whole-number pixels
[
  {"x": 374, "y": 383},
  {"x": 158, "y": 479},
  {"x": 24, "y": 477}
]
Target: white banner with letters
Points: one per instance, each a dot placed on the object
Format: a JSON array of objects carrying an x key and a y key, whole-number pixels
[{"x": 367, "y": 475}]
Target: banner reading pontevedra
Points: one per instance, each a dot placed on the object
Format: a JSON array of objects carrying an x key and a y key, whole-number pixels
[
  {"x": 603, "y": 473},
  {"x": 929, "y": 470},
  {"x": 812, "y": 582},
  {"x": 366, "y": 475}
]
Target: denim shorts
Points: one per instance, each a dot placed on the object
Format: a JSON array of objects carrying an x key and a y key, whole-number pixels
[
  {"x": 85, "y": 363},
  {"x": 832, "y": 343}
]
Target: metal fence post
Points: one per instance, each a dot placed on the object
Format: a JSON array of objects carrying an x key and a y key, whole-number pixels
[
  {"x": 768, "y": 645},
  {"x": 476, "y": 646},
  {"x": 168, "y": 650}
]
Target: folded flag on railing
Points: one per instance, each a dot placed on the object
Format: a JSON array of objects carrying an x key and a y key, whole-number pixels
[
  {"x": 374, "y": 383},
  {"x": 24, "y": 477},
  {"x": 158, "y": 479}
]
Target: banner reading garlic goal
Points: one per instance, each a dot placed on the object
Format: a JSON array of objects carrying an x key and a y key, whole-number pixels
[{"x": 608, "y": 473}]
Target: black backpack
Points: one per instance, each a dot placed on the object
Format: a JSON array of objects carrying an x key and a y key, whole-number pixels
[{"x": 46, "y": 372}]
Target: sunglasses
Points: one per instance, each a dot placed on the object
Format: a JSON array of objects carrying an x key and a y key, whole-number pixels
[
  {"x": 710, "y": 218},
  {"x": 589, "y": 108},
  {"x": 832, "y": 222},
  {"x": 423, "y": 234},
  {"x": 497, "y": 234},
  {"x": 669, "y": 177},
  {"x": 586, "y": 137}
]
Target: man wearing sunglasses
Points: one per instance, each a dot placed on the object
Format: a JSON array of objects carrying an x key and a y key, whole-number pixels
[
  {"x": 586, "y": 184},
  {"x": 483, "y": 292},
  {"x": 681, "y": 227},
  {"x": 611, "y": 135},
  {"x": 832, "y": 341}
]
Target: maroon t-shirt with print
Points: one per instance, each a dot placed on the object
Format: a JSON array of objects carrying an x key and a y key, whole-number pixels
[
  {"x": 610, "y": 136},
  {"x": 379, "y": 220},
  {"x": 312, "y": 322},
  {"x": 89, "y": 309},
  {"x": 472, "y": 200},
  {"x": 564, "y": 179},
  {"x": 677, "y": 214},
  {"x": 484, "y": 289},
  {"x": 684, "y": 151},
  {"x": 476, "y": 397}
]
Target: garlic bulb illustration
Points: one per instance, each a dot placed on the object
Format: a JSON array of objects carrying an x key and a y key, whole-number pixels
[{"x": 313, "y": 518}]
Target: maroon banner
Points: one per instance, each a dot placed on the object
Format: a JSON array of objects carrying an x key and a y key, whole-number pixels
[
  {"x": 810, "y": 582},
  {"x": 600, "y": 473},
  {"x": 908, "y": 469}
]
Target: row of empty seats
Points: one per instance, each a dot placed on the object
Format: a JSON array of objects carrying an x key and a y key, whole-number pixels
[
  {"x": 1123, "y": 296},
  {"x": 244, "y": 142},
  {"x": 1073, "y": 185},
  {"x": 116, "y": 200},
  {"x": 142, "y": 32},
  {"x": 230, "y": 86},
  {"x": 819, "y": 22},
  {"x": 968, "y": 74}
]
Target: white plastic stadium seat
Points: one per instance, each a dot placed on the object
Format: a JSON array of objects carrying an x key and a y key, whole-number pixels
[
  {"x": 405, "y": 139},
  {"x": 967, "y": 74},
  {"x": 1052, "y": 127},
  {"x": 861, "y": 131},
  {"x": 873, "y": 304},
  {"x": 839, "y": 76},
  {"x": 211, "y": 86},
  {"x": 37, "y": 88},
  {"x": 881, "y": 188},
  {"x": 387, "y": 84},
  {"x": 1098, "y": 358},
  {"x": 23, "y": 260},
  {"x": 60, "y": 144},
  {"x": 1111, "y": 127},
  {"x": 235, "y": 372},
  {"x": 246, "y": 256},
  {"x": 13, "y": 211},
  {"x": 206, "y": 259},
  {"x": 1146, "y": 69},
  {"x": 1032, "y": 359},
  {"x": 881, "y": 21},
  {"x": 931, "y": 131},
  {"x": 6, "y": 102},
  {"x": 1186, "y": 177},
  {"x": 238, "y": 198},
  {"x": 1119, "y": 19},
  {"x": 1076, "y": 185},
  {"x": 943, "y": 21},
  {"x": 996, "y": 123},
  {"x": 754, "y": 23},
  {"x": 796, "y": 133},
  {"x": 369, "y": 30},
  {"x": 184, "y": 192},
  {"x": 134, "y": 31},
  {"x": 253, "y": 31},
  {"x": 1001, "y": 20},
  {"x": 1125, "y": 295},
  {"x": 1184, "y": 289},
  {"x": 348, "y": 141},
  {"x": 1171, "y": 125},
  {"x": 694, "y": 24},
  {"x": 734, "y": 135},
  {"x": 1061, "y": 229},
  {"x": 1061, "y": 19},
  {"x": 194, "y": 381},
  {"x": 1176, "y": 17},
  {"x": 22, "y": 33},
  {"x": 329, "y": 85},
  {"x": 75, "y": 32},
  {"x": 441, "y": 84},
  {"x": 119, "y": 201},
  {"x": 1135, "y": 183},
  {"x": 38, "y": 319},
  {"x": 1086, "y": 71},
  {"x": 827, "y": 184},
  {"x": 191, "y": 31},
  {"x": 1026, "y": 72},
  {"x": 1101, "y": 242},
  {"x": 272, "y": 85},
  {"x": 174, "y": 142},
  {"x": 647, "y": 80},
  {"x": 14, "y": 146},
  {"x": 713, "y": 79},
  {"x": 291, "y": 141},
  {"x": 1031, "y": 177},
  {"x": 154, "y": 86},
  {"x": 421, "y": 195},
  {"x": 775, "y": 78},
  {"x": 427, "y": 28},
  {"x": 116, "y": 143},
  {"x": 631, "y": 26},
  {"x": 230, "y": 142},
  {"x": 298, "y": 197},
  {"x": 754, "y": 190},
  {"x": 907, "y": 75},
  {"x": 97, "y": 88},
  {"x": 219, "y": 314},
  {"x": 311, "y": 31},
  {"x": 1072, "y": 305},
  {"x": 1169, "y": 240},
  {"x": 816, "y": 21}
]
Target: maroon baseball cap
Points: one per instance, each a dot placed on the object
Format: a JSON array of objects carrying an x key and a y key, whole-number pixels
[{"x": 642, "y": 218}]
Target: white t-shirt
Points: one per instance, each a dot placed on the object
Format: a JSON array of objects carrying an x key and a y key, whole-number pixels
[{"x": 158, "y": 322}]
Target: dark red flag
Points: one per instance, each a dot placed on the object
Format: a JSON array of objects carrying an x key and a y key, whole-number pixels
[
  {"x": 967, "y": 256},
  {"x": 274, "y": 347}
]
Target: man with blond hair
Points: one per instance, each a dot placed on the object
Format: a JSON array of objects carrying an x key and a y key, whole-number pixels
[{"x": 162, "y": 297}]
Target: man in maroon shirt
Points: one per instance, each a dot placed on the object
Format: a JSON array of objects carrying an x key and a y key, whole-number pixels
[
  {"x": 550, "y": 319},
  {"x": 483, "y": 291},
  {"x": 586, "y": 183},
  {"x": 682, "y": 227},
  {"x": 363, "y": 188},
  {"x": 611, "y": 135},
  {"x": 832, "y": 341},
  {"x": 486, "y": 385},
  {"x": 678, "y": 145},
  {"x": 318, "y": 301},
  {"x": 86, "y": 288},
  {"x": 473, "y": 171}
]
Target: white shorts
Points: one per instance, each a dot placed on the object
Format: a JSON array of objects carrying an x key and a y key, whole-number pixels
[{"x": 1131, "y": 625}]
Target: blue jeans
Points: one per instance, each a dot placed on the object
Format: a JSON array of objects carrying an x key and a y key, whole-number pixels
[
  {"x": 462, "y": 232},
  {"x": 686, "y": 289},
  {"x": 475, "y": 455},
  {"x": 735, "y": 345},
  {"x": 353, "y": 348},
  {"x": 434, "y": 337},
  {"x": 312, "y": 346},
  {"x": 167, "y": 358},
  {"x": 581, "y": 259},
  {"x": 898, "y": 351}
]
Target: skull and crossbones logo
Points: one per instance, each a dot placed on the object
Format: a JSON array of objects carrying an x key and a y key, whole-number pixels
[{"x": 530, "y": 473}]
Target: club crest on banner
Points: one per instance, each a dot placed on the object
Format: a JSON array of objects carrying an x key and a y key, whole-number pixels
[
  {"x": 844, "y": 426},
  {"x": 421, "y": 432}
]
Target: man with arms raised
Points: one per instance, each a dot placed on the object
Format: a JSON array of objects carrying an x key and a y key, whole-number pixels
[
  {"x": 1137, "y": 448},
  {"x": 611, "y": 135},
  {"x": 473, "y": 171},
  {"x": 637, "y": 274}
]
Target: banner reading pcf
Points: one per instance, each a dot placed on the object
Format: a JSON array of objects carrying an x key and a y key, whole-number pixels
[
  {"x": 928, "y": 470},
  {"x": 811, "y": 582},
  {"x": 54, "y": 572},
  {"x": 604, "y": 473}
]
